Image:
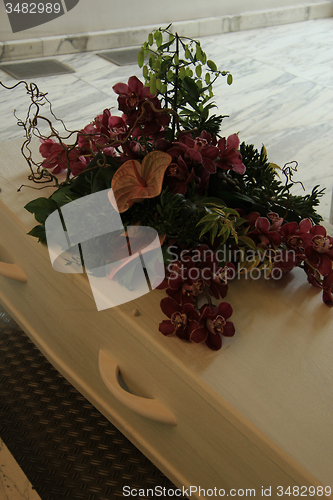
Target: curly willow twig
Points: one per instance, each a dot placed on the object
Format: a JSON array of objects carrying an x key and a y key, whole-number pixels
[
  {"x": 289, "y": 172},
  {"x": 38, "y": 173}
]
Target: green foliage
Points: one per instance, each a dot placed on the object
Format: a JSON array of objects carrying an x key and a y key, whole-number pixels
[
  {"x": 201, "y": 122},
  {"x": 175, "y": 71},
  {"x": 41, "y": 208},
  {"x": 93, "y": 179},
  {"x": 220, "y": 222},
  {"x": 172, "y": 215},
  {"x": 262, "y": 189},
  {"x": 263, "y": 183},
  {"x": 39, "y": 232}
]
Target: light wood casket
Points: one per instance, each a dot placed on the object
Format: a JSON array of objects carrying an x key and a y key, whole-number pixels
[{"x": 256, "y": 414}]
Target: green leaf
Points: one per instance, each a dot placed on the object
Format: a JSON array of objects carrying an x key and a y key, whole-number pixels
[
  {"x": 152, "y": 85},
  {"x": 223, "y": 230},
  {"x": 157, "y": 65},
  {"x": 208, "y": 227},
  {"x": 229, "y": 79},
  {"x": 64, "y": 195},
  {"x": 231, "y": 211},
  {"x": 191, "y": 87},
  {"x": 209, "y": 217},
  {"x": 211, "y": 65},
  {"x": 170, "y": 75},
  {"x": 237, "y": 198},
  {"x": 198, "y": 70},
  {"x": 248, "y": 242},
  {"x": 41, "y": 208},
  {"x": 182, "y": 72},
  {"x": 38, "y": 232},
  {"x": 214, "y": 233},
  {"x": 141, "y": 58},
  {"x": 103, "y": 179},
  {"x": 263, "y": 153},
  {"x": 226, "y": 235},
  {"x": 150, "y": 39},
  {"x": 210, "y": 201}
]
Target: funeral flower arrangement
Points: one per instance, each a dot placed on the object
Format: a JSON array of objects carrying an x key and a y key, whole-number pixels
[{"x": 219, "y": 206}]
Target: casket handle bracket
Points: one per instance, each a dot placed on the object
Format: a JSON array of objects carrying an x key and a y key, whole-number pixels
[
  {"x": 13, "y": 272},
  {"x": 148, "y": 408}
]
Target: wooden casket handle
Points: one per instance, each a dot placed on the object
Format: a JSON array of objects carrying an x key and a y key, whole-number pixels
[
  {"x": 13, "y": 272},
  {"x": 148, "y": 408}
]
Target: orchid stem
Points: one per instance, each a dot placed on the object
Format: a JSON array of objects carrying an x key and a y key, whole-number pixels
[{"x": 175, "y": 103}]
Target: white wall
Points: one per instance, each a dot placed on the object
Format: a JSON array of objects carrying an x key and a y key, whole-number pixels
[{"x": 101, "y": 15}]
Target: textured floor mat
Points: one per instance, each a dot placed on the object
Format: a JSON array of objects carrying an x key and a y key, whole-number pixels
[
  {"x": 121, "y": 57},
  {"x": 66, "y": 448},
  {"x": 33, "y": 69}
]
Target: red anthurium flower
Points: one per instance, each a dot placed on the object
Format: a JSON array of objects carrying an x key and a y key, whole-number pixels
[
  {"x": 230, "y": 157},
  {"x": 319, "y": 252},
  {"x": 183, "y": 319},
  {"x": 135, "y": 181},
  {"x": 213, "y": 323}
]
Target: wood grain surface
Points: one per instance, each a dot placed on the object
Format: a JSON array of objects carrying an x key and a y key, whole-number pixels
[{"x": 257, "y": 413}]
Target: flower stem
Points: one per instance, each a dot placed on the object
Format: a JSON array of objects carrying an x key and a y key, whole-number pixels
[{"x": 175, "y": 97}]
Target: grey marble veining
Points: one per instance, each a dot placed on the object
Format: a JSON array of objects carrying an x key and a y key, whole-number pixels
[
  {"x": 282, "y": 94},
  {"x": 13, "y": 483},
  {"x": 125, "y": 37}
]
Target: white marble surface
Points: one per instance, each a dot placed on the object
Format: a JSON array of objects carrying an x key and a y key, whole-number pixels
[
  {"x": 14, "y": 485},
  {"x": 282, "y": 94},
  {"x": 49, "y": 46}
]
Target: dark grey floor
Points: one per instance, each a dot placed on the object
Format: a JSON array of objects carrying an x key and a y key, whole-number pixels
[{"x": 66, "y": 448}]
